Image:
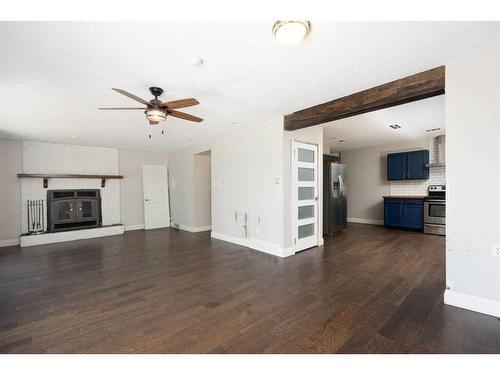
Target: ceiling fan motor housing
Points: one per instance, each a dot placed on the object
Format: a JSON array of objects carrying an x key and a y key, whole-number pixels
[{"x": 156, "y": 91}]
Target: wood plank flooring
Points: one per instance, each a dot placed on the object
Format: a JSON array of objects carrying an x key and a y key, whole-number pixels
[{"x": 370, "y": 290}]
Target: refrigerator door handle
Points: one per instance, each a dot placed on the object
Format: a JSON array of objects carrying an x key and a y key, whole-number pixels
[{"x": 341, "y": 185}]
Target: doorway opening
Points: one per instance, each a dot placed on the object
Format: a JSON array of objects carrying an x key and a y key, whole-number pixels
[{"x": 395, "y": 167}]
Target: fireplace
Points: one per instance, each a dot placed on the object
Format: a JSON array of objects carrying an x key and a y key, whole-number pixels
[{"x": 73, "y": 209}]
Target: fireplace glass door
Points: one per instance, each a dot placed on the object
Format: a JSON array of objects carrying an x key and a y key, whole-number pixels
[
  {"x": 87, "y": 209},
  {"x": 64, "y": 211}
]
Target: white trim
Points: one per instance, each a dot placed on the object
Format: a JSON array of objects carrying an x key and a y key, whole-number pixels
[
  {"x": 478, "y": 304},
  {"x": 365, "y": 221},
  {"x": 265, "y": 247},
  {"x": 47, "y": 238},
  {"x": 134, "y": 227},
  {"x": 194, "y": 229},
  {"x": 13, "y": 242}
]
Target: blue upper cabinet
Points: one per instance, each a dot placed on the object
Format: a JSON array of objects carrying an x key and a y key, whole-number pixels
[
  {"x": 396, "y": 166},
  {"x": 416, "y": 165},
  {"x": 408, "y": 165}
]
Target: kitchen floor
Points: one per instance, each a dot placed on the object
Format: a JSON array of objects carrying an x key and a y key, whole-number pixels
[{"x": 370, "y": 290}]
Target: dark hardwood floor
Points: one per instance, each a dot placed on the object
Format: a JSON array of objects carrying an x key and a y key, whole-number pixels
[{"x": 370, "y": 290}]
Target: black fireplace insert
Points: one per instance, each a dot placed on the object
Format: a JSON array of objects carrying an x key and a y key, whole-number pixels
[{"x": 73, "y": 209}]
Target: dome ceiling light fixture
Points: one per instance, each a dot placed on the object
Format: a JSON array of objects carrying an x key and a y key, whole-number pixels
[{"x": 291, "y": 33}]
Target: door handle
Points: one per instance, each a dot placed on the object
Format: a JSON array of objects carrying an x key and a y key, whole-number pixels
[{"x": 146, "y": 199}]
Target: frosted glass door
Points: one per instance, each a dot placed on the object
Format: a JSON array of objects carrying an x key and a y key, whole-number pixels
[{"x": 305, "y": 195}]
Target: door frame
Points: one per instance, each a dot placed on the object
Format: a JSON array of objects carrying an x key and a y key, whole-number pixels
[
  {"x": 294, "y": 144},
  {"x": 164, "y": 168}
]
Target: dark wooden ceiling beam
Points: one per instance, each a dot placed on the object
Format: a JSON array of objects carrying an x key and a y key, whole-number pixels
[{"x": 408, "y": 89}]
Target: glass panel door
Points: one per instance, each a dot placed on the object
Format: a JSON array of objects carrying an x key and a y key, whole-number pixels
[
  {"x": 64, "y": 210},
  {"x": 304, "y": 195},
  {"x": 87, "y": 209}
]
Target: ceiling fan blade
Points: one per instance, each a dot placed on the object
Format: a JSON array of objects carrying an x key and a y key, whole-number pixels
[
  {"x": 184, "y": 116},
  {"x": 154, "y": 122},
  {"x": 181, "y": 103},
  {"x": 108, "y": 109},
  {"x": 132, "y": 96}
]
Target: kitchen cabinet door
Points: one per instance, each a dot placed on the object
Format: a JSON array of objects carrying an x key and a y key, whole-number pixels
[
  {"x": 392, "y": 213},
  {"x": 415, "y": 165},
  {"x": 412, "y": 215},
  {"x": 396, "y": 166}
]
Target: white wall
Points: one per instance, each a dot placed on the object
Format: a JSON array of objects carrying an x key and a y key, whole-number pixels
[
  {"x": 181, "y": 172},
  {"x": 202, "y": 190},
  {"x": 132, "y": 196},
  {"x": 11, "y": 157},
  {"x": 312, "y": 135},
  {"x": 473, "y": 182},
  {"x": 366, "y": 182},
  {"x": 40, "y": 157},
  {"x": 247, "y": 171}
]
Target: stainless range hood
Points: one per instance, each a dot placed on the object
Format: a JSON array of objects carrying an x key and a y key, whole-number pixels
[{"x": 439, "y": 153}]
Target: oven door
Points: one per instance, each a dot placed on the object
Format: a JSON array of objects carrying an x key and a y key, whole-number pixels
[{"x": 435, "y": 212}]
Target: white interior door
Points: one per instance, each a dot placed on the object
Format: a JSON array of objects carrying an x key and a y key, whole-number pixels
[
  {"x": 304, "y": 195},
  {"x": 155, "y": 187}
]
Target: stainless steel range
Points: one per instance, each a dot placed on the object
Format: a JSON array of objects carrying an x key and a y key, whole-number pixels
[{"x": 435, "y": 210}]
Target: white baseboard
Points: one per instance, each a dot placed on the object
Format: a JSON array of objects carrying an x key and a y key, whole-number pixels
[
  {"x": 478, "y": 304},
  {"x": 194, "y": 229},
  {"x": 365, "y": 221},
  {"x": 134, "y": 227},
  {"x": 286, "y": 252},
  {"x": 13, "y": 242},
  {"x": 265, "y": 247}
]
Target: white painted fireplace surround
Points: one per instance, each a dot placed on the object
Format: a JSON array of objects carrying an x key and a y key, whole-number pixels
[{"x": 41, "y": 157}]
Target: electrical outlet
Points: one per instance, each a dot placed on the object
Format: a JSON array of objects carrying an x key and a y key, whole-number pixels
[{"x": 496, "y": 251}]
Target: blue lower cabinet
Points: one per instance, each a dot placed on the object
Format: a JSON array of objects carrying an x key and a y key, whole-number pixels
[
  {"x": 403, "y": 213},
  {"x": 392, "y": 212}
]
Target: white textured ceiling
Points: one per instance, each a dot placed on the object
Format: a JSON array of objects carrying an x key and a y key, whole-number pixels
[
  {"x": 53, "y": 76},
  {"x": 373, "y": 128}
]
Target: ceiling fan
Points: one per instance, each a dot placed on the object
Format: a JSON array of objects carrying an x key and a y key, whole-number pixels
[{"x": 157, "y": 111}]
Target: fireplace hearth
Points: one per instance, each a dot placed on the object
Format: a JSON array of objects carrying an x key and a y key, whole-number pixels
[{"x": 73, "y": 209}]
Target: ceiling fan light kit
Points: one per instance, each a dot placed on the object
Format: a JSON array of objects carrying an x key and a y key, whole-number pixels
[{"x": 155, "y": 115}]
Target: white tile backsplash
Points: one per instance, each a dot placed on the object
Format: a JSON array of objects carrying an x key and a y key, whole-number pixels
[{"x": 437, "y": 176}]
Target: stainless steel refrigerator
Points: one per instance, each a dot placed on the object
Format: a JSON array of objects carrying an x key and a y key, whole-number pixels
[{"x": 334, "y": 198}]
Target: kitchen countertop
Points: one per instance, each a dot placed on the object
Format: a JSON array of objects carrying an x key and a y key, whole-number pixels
[{"x": 405, "y": 196}]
